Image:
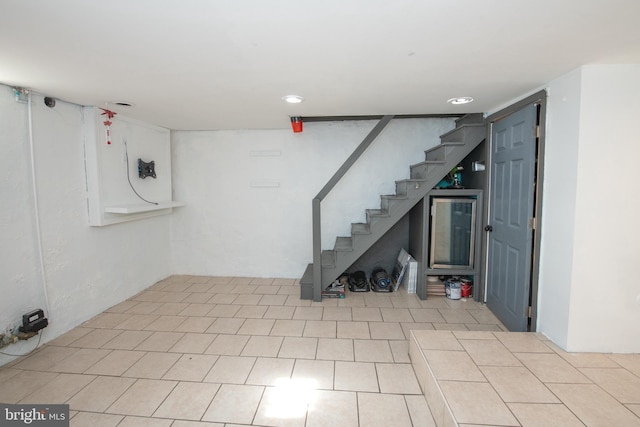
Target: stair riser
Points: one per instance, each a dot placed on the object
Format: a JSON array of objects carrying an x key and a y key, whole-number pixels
[
  {"x": 422, "y": 170},
  {"x": 464, "y": 133}
]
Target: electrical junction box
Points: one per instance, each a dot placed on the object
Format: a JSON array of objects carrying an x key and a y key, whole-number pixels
[{"x": 34, "y": 321}]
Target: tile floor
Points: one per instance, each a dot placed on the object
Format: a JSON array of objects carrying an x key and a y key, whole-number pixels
[
  {"x": 195, "y": 351},
  {"x": 523, "y": 379}
]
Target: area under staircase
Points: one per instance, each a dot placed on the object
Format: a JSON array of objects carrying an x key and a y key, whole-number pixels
[{"x": 455, "y": 145}]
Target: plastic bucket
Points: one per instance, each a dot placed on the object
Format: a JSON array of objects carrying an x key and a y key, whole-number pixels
[{"x": 465, "y": 289}]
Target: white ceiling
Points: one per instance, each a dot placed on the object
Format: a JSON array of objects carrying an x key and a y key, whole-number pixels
[{"x": 226, "y": 64}]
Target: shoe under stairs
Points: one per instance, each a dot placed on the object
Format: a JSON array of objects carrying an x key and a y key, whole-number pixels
[{"x": 455, "y": 145}]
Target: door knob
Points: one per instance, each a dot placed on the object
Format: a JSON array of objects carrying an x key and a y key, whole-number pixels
[{"x": 488, "y": 228}]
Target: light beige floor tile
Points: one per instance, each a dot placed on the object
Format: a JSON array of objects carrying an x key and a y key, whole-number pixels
[
  {"x": 262, "y": 281},
  {"x": 485, "y": 408},
  {"x": 441, "y": 362},
  {"x": 396, "y": 315},
  {"x": 452, "y": 315},
  {"x": 343, "y": 413},
  {"x": 405, "y": 301},
  {"x": 225, "y": 326},
  {"x": 152, "y": 365},
  {"x": 489, "y": 353},
  {"x": 142, "y": 398},
  {"x": 234, "y": 404},
  {"x": 231, "y": 370},
  {"x": 122, "y": 307},
  {"x": 288, "y": 328},
  {"x": 173, "y": 297},
  {"x": 450, "y": 326},
  {"x": 372, "y": 299},
  {"x": 517, "y": 384},
  {"x": 273, "y": 300},
  {"x": 138, "y": 321},
  {"x": 618, "y": 382},
  {"x": 481, "y": 327},
  {"x": 419, "y": 411},
  {"x": 397, "y": 379},
  {"x": 191, "y": 367},
  {"x": 45, "y": 358},
  {"x": 132, "y": 421},
  {"x": 279, "y": 312},
  {"x": 106, "y": 320},
  {"x": 372, "y": 351},
  {"x": 230, "y": 345},
  {"x": 170, "y": 308},
  {"x": 395, "y": 411},
  {"x": 321, "y": 372},
  {"x": 96, "y": 338},
  {"x": 262, "y": 346},
  {"x": 267, "y": 290},
  {"x": 308, "y": 313},
  {"x": 270, "y": 371},
  {"x": 353, "y": 330},
  {"x": 437, "y": 340},
  {"x": 256, "y": 327},
  {"x": 247, "y": 299},
  {"x": 69, "y": 337},
  {"x": 224, "y": 310},
  {"x": 284, "y": 406},
  {"x": 335, "y": 349},
  {"x": 182, "y": 423},
  {"x": 584, "y": 360},
  {"x": 594, "y": 406},
  {"x": 100, "y": 394},
  {"x": 337, "y": 313},
  {"x": 522, "y": 342},
  {"x": 295, "y": 301},
  {"x": 434, "y": 302},
  {"x": 193, "y": 343},
  {"x": 194, "y": 324},
  {"x": 544, "y": 415},
  {"x": 160, "y": 341},
  {"x": 127, "y": 340},
  {"x": 400, "y": 351},
  {"x": 223, "y": 299},
  {"x": 634, "y": 408},
  {"x": 426, "y": 315},
  {"x": 59, "y": 389},
  {"x": 386, "y": 331},
  {"x": 165, "y": 323},
  {"x": 366, "y": 314},
  {"x": 484, "y": 316},
  {"x": 551, "y": 368},
  {"x": 83, "y": 419},
  {"x": 251, "y": 312},
  {"x": 198, "y": 309},
  {"x": 298, "y": 348},
  {"x": 408, "y": 327},
  {"x": 115, "y": 363},
  {"x": 187, "y": 401},
  {"x": 320, "y": 329},
  {"x": 80, "y": 361},
  {"x": 356, "y": 376},
  {"x": 630, "y": 362},
  {"x": 18, "y": 387}
]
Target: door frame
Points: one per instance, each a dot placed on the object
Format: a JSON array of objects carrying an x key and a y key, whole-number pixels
[{"x": 539, "y": 99}]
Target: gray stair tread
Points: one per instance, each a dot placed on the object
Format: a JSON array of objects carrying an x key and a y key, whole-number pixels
[
  {"x": 343, "y": 244},
  {"x": 328, "y": 259},
  {"x": 360, "y": 228},
  {"x": 377, "y": 212}
]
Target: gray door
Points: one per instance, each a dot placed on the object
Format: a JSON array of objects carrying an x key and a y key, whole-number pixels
[{"x": 513, "y": 155}]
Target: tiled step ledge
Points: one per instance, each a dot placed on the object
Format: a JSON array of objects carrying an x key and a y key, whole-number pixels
[{"x": 522, "y": 379}]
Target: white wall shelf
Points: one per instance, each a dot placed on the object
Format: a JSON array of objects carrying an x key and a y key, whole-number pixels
[{"x": 146, "y": 207}]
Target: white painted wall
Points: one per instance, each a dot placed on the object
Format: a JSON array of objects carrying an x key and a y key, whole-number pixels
[
  {"x": 249, "y": 193},
  {"x": 87, "y": 269},
  {"x": 589, "y": 297}
]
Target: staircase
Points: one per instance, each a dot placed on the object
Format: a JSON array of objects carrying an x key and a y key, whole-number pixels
[{"x": 455, "y": 145}]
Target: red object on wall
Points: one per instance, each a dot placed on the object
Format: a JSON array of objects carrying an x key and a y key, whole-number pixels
[
  {"x": 296, "y": 124},
  {"x": 107, "y": 123}
]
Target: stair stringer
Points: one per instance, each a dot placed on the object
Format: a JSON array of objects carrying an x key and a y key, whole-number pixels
[{"x": 455, "y": 146}]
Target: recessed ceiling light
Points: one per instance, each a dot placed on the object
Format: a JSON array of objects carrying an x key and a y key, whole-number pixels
[
  {"x": 293, "y": 99},
  {"x": 460, "y": 100}
]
